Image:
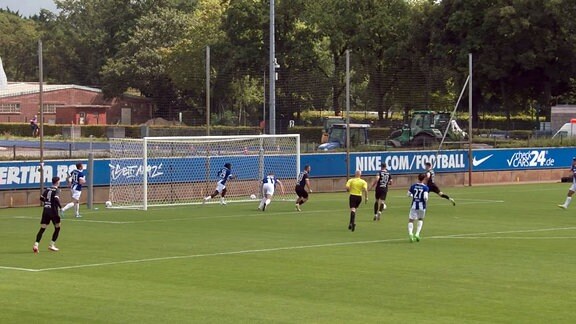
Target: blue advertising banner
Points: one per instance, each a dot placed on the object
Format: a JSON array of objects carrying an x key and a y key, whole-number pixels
[
  {"x": 522, "y": 159},
  {"x": 26, "y": 174},
  {"x": 178, "y": 170},
  {"x": 334, "y": 164}
]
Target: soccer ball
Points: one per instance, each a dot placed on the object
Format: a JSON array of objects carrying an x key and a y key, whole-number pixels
[
  {"x": 253, "y": 196},
  {"x": 108, "y": 204}
]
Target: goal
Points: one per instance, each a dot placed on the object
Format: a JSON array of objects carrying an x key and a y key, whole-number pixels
[{"x": 164, "y": 171}]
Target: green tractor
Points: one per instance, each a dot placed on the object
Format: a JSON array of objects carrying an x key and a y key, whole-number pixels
[{"x": 426, "y": 128}]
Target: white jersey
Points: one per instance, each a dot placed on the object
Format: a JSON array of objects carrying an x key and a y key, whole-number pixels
[
  {"x": 269, "y": 184},
  {"x": 573, "y": 170}
]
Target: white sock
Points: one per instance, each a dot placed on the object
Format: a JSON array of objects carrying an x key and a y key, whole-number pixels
[
  {"x": 52, "y": 243},
  {"x": 267, "y": 202},
  {"x": 419, "y": 227},
  {"x": 410, "y": 228},
  {"x": 77, "y": 208},
  {"x": 68, "y": 206},
  {"x": 262, "y": 202},
  {"x": 567, "y": 202},
  {"x": 208, "y": 197}
]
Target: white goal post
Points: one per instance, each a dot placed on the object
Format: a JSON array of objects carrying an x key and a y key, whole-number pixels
[{"x": 167, "y": 171}]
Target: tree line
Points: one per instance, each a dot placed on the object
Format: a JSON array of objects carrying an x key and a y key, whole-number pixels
[{"x": 404, "y": 54}]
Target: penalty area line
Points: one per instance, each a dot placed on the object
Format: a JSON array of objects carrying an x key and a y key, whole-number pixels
[
  {"x": 509, "y": 238},
  {"x": 179, "y": 257},
  {"x": 19, "y": 269},
  {"x": 79, "y": 220},
  {"x": 484, "y": 234},
  {"x": 286, "y": 248}
]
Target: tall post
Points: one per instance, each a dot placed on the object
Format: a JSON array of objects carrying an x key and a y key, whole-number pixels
[
  {"x": 470, "y": 121},
  {"x": 41, "y": 103},
  {"x": 264, "y": 104},
  {"x": 347, "y": 114},
  {"x": 90, "y": 198},
  {"x": 145, "y": 173},
  {"x": 207, "y": 90},
  {"x": 272, "y": 74}
]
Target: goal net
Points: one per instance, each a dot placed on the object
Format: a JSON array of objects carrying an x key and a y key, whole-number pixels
[{"x": 164, "y": 171}]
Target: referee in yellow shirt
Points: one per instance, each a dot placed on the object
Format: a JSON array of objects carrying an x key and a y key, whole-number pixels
[{"x": 356, "y": 186}]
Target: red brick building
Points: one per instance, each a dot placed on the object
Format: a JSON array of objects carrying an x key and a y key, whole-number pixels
[{"x": 71, "y": 104}]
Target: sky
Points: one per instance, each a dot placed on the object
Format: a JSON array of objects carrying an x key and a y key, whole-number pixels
[{"x": 28, "y": 7}]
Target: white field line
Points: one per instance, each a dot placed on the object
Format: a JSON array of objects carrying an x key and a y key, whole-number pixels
[
  {"x": 517, "y": 189},
  {"x": 256, "y": 213},
  {"x": 19, "y": 269},
  {"x": 287, "y": 248},
  {"x": 470, "y": 200},
  {"x": 511, "y": 238},
  {"x": 77, "y": 220}
]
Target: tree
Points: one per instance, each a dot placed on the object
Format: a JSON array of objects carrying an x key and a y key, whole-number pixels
[
  {"x": 522, "y": 50},
  {"x": 335, "y": 23},
  {"x": 299, "y": 81},
  {"x": 186, "y": 59},
  {"x": 381, "y": 46},
  {"x": 19, "y": 46},
  {"x": 141, "y": 61}
]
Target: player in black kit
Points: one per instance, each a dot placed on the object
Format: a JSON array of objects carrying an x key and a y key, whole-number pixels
[
  {"x": 432, "y": 185},
  {"x": 382, "y": 181},
  {"x": 302, "y": 183},
  {"x": 50, "y": 213}
]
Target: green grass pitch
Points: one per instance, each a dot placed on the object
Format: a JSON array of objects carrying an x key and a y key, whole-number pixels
[{"x": 504, "y": 254}]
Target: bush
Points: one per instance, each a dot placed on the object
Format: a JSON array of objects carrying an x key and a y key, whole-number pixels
[
  {"x": 520, "y": 134},
  {"x": 133, "y": 131},
  {"x": 307, "y": 134}
]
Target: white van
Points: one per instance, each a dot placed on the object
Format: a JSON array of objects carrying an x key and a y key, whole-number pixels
[{"x": 567, "y": 130}]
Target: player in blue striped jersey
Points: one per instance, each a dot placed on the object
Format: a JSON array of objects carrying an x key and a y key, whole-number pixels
[
  {"x": 76, "y": 180},
  {"x": 572, "y": 187},
  {"x": 268, "y": 186},
  {"x": 224, "y": 174},
  {"x": 419, "y": 193}
]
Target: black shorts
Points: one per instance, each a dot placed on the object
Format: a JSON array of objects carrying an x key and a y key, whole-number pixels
[
  {"x": 301, "y": 192},
  {"x": 381, "y": 193},
  {"x": 434, "y": 188},
  {"x": 48, "y": 215},
  {"x": 354, "y": 201}
]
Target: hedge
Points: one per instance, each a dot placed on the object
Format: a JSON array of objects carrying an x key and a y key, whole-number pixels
[{"x": 310, "y": 134}]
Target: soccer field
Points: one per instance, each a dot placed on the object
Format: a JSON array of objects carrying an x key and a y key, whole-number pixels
[{"x": 504, "y": 254}]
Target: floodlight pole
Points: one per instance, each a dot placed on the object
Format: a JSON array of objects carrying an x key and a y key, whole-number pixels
[
  {"x": 207, "y": 90},
  {"x": 264, "y": 104},
  {"x": 272, "y": 75},
  {"x": 470, "y": 120},
  {"x": 41, "y": 103},
  {"x": 347, "y": 114}
]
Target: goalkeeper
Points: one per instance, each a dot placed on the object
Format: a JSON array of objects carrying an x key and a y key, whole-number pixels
[{"x": 224, "y": 174}]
